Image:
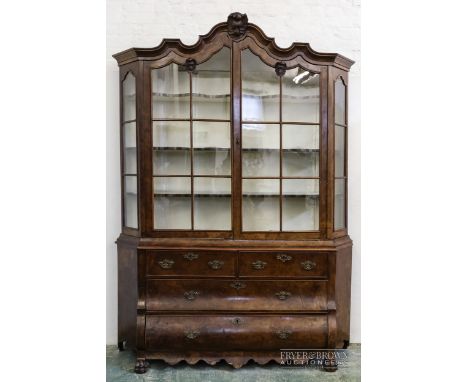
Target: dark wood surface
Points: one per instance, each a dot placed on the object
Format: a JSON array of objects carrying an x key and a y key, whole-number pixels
[{"x": 232, "y": 294}]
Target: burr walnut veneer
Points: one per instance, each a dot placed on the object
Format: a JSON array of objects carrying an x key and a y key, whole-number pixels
[{"x": 234, "y": 239}]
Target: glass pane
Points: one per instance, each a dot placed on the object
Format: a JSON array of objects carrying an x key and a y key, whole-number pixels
[
  {"x": 169, "y": 161},
  {"x": 300, "y": 205},
  {"x": 339, "y": 151},
  {"x": 129, "y": 97},
  {"x": 260, "y": 150},
  {"x": 260, "y": 90},
  {"x": 211, "y": 87},
  {"x": 130, "y": 202},
  {"x": 171, "y": 92},
  {"x": 340, "y": 102},
  {"x": 212, "y": 208},
  {"x": 130, "y": 152},
  {"x": 212, "y": 143},
  {"x": 301, "y": 96},
  {"x": 340, "y": 204},
  {"x": 171, "y": 134},
  {"x": 172, "y": 203},
  {"x": 260, "y": 205}
]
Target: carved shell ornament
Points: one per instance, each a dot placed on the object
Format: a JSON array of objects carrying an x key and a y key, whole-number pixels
[{"x": 237, "y": 24}]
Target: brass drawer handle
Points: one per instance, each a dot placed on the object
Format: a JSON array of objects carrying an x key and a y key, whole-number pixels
[
  {"x": 190, "y": 256},
  {"x": 237, "y": 321},
  {"x": 191, "y": 295},
  {"x": 283, "y": 295},
  {"x": 308, "y": 265},
  {"x": 258, "y": 264},
  {"x": 166, "y": 263},
  {"x": 283, "y": 257},
  {"x": 283, "y": 333},
  {"x": 191, "y": 334},
  {"x": 238, "y": 285},
  {"x": 215, "y": 264}
]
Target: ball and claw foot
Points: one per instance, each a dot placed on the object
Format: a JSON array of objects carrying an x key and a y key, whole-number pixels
[
  {"x": 122, "y": 345},
  {"x": 331, "y": 365},
  {"x": 141, "y": 366}
]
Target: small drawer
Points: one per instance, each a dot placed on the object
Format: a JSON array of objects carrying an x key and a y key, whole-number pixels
[
  {"x": 235, "y": 332},
  {"x": 249, "y": 295},
  {"x": 283, "y": 264},
  {"x": 190, "y": 263}
]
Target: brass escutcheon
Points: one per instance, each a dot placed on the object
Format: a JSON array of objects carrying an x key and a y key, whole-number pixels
[
  {"x": 308, "y": 265},
  {"x": 191, "y": 334},
  {"x": 283, "y": 257},
  {"x": 283, "y": 295},
  {"x": 190, "y": 256},
  {"x": 258, "y": 264},
  {"x": 215, "y": 264},
  {"x": 283, "y": 333},
  {"x": 237, "y": 321},
  {"x": 191, "y": 295},
  {"x": 238, "y": 285}
]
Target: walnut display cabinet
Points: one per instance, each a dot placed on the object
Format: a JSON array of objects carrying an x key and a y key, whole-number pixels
[{"x": 234, "y": 196}]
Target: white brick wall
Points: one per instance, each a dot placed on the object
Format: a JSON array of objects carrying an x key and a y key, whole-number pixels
[{"x": 328, "y": 25}]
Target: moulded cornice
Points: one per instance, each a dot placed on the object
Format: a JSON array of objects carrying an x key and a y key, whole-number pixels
[{"x": 241, "y": 31}]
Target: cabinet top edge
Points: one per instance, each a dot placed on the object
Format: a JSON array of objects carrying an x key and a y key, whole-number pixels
[{"x": 237, "y": 28}]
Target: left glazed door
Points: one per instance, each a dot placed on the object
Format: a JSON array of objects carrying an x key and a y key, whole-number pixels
[{"x": 191, "y": 153}]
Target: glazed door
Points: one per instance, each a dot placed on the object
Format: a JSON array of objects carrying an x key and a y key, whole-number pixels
[
  {"x": 191, "y": 114},
  {"x": 280, "y": 149}
]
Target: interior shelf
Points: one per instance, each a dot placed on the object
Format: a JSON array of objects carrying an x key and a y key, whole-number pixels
[
  {"x": 295, "y": 150},
  {"x": 289, "y": 195}
]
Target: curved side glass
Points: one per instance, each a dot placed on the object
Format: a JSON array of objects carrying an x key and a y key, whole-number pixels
[
  {"x": 340, "y": 186},
  {"x": 129, "y": 138}
]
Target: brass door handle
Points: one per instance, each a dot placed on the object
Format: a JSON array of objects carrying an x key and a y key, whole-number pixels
[
  {"x": 190, "y": 256},
  {"x": 258, "y": 264},
  {"x": 191, "y": 295},
  {"x": 215, "y": 264},
  {"x": 283, "y": 257},
  {"x": 308, "y": 265},
  {"x": 238, "y": 285},
  {"x": 166, "y": 263},
  {"x": 191, "y": 334},
  {"x": 283, "y": 333},
  {"x": 283, "y": 295}
]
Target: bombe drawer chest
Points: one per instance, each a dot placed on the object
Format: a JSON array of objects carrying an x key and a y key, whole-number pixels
[{"x": 234, "y": 239}]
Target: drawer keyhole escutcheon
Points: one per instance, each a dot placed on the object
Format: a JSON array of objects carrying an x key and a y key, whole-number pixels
[
  {"x": 283, "y": 257},
  {"x": 191, "y": 334},
  {"x": 215, "y": 264},
  {"x": 166, "y": 263},
  {"x": 308, "y": 265},
  {"x": 238, "y": 285},
  {"x": 283, "y": 295},
  {"x": 191, "y": 295},
  {"x": 237, "y": 321},
  {"x": 283, "y": 333},
  {"x": 190, "y": 256},
  {"x": 258, "y": 264}
]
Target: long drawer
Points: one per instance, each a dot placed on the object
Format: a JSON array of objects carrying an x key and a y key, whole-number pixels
[
  {"x": 235, "y": 332},
  {"x": 236, "y": 295},
  {"x": 191, "y": 263},
  {"x": 283, "y": 264}
]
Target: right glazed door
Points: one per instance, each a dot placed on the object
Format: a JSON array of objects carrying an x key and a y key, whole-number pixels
[{"x": 280, "y": 130}]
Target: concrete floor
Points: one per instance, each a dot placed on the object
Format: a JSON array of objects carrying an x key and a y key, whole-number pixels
[{"x": 120, "y": 369}]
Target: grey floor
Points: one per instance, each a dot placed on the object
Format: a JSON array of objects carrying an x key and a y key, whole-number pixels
[{"x": 120, "y": 368}]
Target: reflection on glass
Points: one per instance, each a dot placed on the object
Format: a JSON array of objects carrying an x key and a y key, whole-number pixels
[
  {"x": 171, "y": 161},
  {"x": 260, "y": 90},
  {"x": 171, "y": 92},
  {"x": 300, "y": 205},
  {"x": 172, "y": 203},
  {"x": 301, "y": 96},
  {"x": 130, "y": 202},
  {"x": 260, "y": 205},
  {"x": 212, "y": 143},
  {"x": 340, "y": 102},
  {"x": 211, "y": 87},
  {"x": 212, "y": 203},
  {"x": 129, "y": 97},
  {"x": 339, "y": 151},
  {"x": 171, "y": 134},
  {"x": 130, "y": 152},
  {"x": 340, "y": 204},
  {"x": 260, "y": 150}
]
